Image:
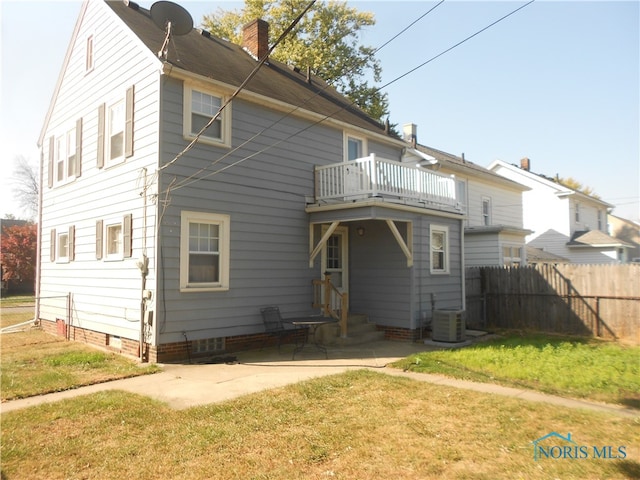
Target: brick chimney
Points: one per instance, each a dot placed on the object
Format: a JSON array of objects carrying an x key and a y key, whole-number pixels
[
  {"x": 255, "y": 38},
  {"x": 525, "y": 164}
]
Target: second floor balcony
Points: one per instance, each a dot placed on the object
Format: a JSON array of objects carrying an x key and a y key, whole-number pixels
[{"x": 375, "y": 177}]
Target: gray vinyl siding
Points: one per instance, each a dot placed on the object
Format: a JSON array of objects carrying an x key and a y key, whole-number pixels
[
  {"x": 265, "y": 198},
  {"x": 105, "y": 294},
  {"x": 389, "y": 292}
]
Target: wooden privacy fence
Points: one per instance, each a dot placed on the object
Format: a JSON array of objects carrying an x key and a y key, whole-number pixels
[{"x": 598, "y": 300}]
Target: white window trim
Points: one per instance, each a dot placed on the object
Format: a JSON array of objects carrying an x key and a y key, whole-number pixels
[
  {"x": 224, "y": 222},
  {"x": 112, "y": 257},
  {"x": 89, "y": 54},
  {"x": 61, "y": 149},
  {"x": 509, "y": 261},
  {"x": 577, "y": 213},
  {"x": 225, "y": 117},
  {"x": 345, "y": 149},
  {"x": 108, "y": 161},
  {"x": 60, "y": 258},
  {"x": 600, "y": 222},
  {"x": 445, "y": 230},
  {"x": 488, "y": 220}
]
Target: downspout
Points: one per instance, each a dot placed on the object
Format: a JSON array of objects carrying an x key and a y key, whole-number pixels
[
  {"x": 39, "y": 240},
  {"x": 462, "y": 267}
]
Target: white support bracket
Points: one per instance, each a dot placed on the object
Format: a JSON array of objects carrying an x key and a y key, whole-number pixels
[
  {"x": 315, "y": 250},
  {"x": 406, "y": 249}
]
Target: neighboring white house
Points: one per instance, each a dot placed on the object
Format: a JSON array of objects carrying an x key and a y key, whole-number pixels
[
  {"x": 563, "y": 221},
  {"x": 493, "y": 232},
  {"x": 627, "y": 231}
]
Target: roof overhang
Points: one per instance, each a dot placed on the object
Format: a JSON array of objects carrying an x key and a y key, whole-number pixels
[
  {"x": 372, "y": 209},
  {"x": 170, "y": 70},
  {"x": 410, "y": 154},
  {"x": 497, "y": 229}
]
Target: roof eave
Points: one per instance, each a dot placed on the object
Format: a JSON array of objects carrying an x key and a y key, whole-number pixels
[{"x": 173, "y": 71}]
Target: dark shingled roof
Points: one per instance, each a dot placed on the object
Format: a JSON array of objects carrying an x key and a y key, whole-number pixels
[
  {"x": 206, "y": 55},
  {"x": 461, "y": 165}
]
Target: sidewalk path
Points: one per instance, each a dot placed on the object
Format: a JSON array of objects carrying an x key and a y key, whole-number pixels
[{"x": 188, "y": 385}]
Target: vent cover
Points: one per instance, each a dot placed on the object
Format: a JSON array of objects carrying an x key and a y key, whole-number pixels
[{"x": 448, "y": 326}]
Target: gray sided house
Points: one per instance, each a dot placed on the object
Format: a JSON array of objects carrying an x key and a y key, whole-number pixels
[{"x": 162, "y": 242}]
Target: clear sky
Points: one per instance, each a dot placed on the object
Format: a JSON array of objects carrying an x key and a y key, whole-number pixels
[{"x": 557, "y": 82}]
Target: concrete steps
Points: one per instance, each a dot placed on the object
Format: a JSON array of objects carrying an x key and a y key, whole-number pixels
[{"x": 359, "y": 331}]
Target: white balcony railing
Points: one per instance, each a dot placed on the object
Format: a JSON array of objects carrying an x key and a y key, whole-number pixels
[{"x": 374, "y": 177}]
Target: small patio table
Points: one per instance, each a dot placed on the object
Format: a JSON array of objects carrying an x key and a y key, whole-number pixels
[{"x": 312, "y": 323}]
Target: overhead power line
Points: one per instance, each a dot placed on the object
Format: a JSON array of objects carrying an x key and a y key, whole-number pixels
[
  {"x": 187, "y": 180},
  {"x": 241, "y": 87},
  {"x": 457, "y": 44},
  {"x": 190, "y": 180}
]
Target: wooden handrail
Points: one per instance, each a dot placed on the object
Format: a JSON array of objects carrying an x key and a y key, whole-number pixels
[{"x": 323, "y": 293}]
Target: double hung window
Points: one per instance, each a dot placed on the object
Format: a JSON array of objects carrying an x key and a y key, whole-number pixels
[
  {"x": 486, "y": 211},
  {"x": 62, "y": 245},
  {"x": 65, "y": 152},
  {"x": 114, "y": 238},
  {"x": 202, "y": 109},
  {"x": 439, "y": 236},
  {"x": 115, "y": 130},
  {"x": 204, "y": 251}
]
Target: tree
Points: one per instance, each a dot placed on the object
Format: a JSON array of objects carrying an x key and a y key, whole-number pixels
[
  {"x": 18, "y": 253},
  {"x": 574, "y": 184},
  {"x": 27, "y": 185},
  {"x": 325, "y": 40}
]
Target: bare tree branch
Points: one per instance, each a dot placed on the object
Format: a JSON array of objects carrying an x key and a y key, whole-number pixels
[{"x": 26, "y": 184}]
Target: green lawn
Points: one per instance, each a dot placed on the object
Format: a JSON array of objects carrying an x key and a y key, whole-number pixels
[
  {"x": 353, "y": 426},
  {"x": 35, "y": 362},
  {"x": 566, "y": 366},
  {"x": 357, "y": 425}
]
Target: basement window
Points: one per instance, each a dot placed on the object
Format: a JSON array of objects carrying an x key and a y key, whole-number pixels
[{"x": 208, "y": 345}]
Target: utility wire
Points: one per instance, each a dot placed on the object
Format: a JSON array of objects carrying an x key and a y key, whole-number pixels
[
  {"x": 408, "y": 27},
  {"x": 186, "y": 182},
  {"x": 241, "y": 87},
  {"x": 457, "y": 44}
]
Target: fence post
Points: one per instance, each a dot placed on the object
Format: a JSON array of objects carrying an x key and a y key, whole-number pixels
[{"x": 597, "y": 316}]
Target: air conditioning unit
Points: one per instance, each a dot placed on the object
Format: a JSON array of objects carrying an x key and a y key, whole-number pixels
[{"x": 448, "y": 326}]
